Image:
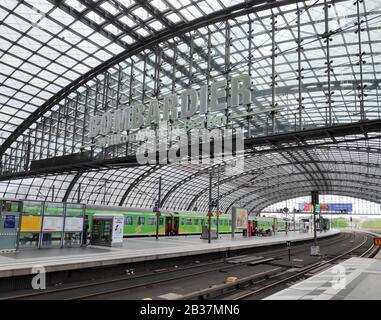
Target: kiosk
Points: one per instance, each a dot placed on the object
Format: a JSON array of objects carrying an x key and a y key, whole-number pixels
[{"x": 107, "y": 230}]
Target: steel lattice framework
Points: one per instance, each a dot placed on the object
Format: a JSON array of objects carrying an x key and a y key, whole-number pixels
[{"x": 318, "y": 62}]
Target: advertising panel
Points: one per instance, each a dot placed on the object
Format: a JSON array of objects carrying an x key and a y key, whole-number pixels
[
  {"x": 30, "y": 224},
  {"x": 327, "y": 207},
  {"x": 340, "y": 207},
  {"x": 73, "y": 224},
  {"x": 52, "y": 224},
  {"x": 117, "y": 232},
  {"x": 241, "y": 218},
  {"x": 324, "y": 207}
]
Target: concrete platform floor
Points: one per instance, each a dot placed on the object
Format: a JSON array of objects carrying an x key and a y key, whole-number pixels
[
  {"x": 135, "y": 250},
  {"x": 353, "y": 279}
]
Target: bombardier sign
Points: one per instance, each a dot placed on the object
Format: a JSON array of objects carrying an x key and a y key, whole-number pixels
[
  {"x": 111, "y": 124},
  {"x": 159, "y": 127}
]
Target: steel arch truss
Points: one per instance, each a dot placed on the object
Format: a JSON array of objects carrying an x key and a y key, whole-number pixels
[{"x": 325, "y": 136}]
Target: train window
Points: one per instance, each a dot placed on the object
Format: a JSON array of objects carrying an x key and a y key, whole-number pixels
[
  {"x": 161, "y": 221},
  {"x": 141, "y": 220},
  {"x": 214, "y": 222},
  {"x": 151, "y": 221},
  {"x": 226, "y": 222},
  {"x": 128, "y": 220},
  {"x": 189, "y": 221},
  {"x": 182, "y": 221},
  {"x": 203, "y": 222},
  {"x": 195, "y": 222}
]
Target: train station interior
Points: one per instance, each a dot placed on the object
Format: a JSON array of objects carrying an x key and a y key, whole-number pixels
[{"x": 228, "y": 149}]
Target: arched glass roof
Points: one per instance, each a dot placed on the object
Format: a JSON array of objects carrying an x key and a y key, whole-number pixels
[{"x": 312, "y": 64}]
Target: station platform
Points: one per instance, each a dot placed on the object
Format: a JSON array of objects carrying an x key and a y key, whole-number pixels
[
  {"x": 353, "y": 279},
  {"x": 136, "y": 250}
]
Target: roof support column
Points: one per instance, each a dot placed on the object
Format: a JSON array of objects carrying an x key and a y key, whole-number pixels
[
  {"x": 327, "y": 33},
  {"x": 360, "y": 86},
  {"x": 273, "y": 73},
  {"x": 300, "y": 69}
]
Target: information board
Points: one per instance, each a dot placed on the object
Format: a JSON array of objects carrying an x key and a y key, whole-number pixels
[
  {"x": 52, "y": 224},
  {"x": 73, "y": 224},
  {"x": 30, "y": 224}
]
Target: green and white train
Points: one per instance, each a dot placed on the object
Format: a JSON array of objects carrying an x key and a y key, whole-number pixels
[{"x": 142, "y": 222}]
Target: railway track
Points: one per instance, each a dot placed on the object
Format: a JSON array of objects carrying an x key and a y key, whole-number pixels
[
  {"x": 125, "y": 284},
  {"x": 274, "y": 282}
]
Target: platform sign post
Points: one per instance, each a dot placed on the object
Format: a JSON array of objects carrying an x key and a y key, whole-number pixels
[
  {"x": 234, "y": 214},
  {"x": 218, "y": 213},
  {"x": 218, "y": 200},
  {"x": 210, "y": 208},
  {"x": 315, "y": 250},
  {"x": 158, "y": 209}
]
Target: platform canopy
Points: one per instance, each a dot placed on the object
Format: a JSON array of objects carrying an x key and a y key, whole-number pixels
[{"x": 313, "y": 123}]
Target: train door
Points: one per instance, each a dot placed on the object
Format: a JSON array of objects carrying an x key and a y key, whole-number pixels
[
  {"x": 176, "y": 225},
  {"x": 168, "y": 225}
]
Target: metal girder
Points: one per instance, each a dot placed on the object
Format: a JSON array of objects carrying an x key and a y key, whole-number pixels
[
  {"x": 71, "y": 186},
  {"x": 185, "y": 180},
  {"x": 291, "y": 185},
  {"x": 240, "y": 9},
  {"x": 223, "y": 181},
  {"x": 136, "y": 182},
  {"x": 299, "y": 192},
  {"x": 305, "y": 170},
  {"x": 159, "y": 16},
  {"x": 91, "y": 5},
  {"x": 233, "y": 202},
  {"x": 306, "y": 152},
  {"x": 288, "y": 183},
  {"x": 319, "y": 133},
  {"x": 267, "y": 168},
  {"x": 250, "y": 145}
]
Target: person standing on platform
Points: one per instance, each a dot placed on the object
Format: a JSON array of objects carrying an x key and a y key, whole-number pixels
[{"x": 85, "y": 233}]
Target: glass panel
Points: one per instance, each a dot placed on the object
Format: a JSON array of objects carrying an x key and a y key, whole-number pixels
[{"x": 54, "y": 208}]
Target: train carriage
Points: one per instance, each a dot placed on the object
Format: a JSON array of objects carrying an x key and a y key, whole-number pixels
[{"x": 138, "y": 222}]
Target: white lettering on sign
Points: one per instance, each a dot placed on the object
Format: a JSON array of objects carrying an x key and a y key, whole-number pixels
[
  {"x": 218, "y": 95},
  {"x": 205, "y": 108}
]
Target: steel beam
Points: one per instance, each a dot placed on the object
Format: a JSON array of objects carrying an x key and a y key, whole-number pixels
[{"x": 167, "y": 34}]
